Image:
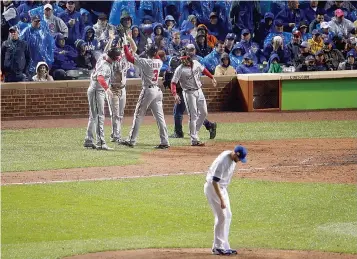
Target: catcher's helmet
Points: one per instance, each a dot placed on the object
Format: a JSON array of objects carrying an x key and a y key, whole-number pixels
[
  {"x": 151, "y": 50},
  {"x": 114, "y": 53}
]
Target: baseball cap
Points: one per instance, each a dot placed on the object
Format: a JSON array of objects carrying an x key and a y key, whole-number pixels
[
  {"x": 303, "y": 24},
  {"x": 35, "y": 18},
  {"x": 102, "y": 16},
  {"x": 318, "y": 53},
  {"x": 304, "y": 44},
  {"x": 315, "y": 32},
  {"x": 213, "y": 14},
  {"x": 241, "y": 152},
  {"x": 278, "y": 23},
  {"x": 351, "y": 54},
  {"x": 310, "y": 58},
  {"x": 47, "y": 6},
  {"x": 14, "y": 28},
  {"x": 231, "y": 36},
  {"x": 327, "y": 41},
  {"x": 325, "y": 25},
  {"x": 296, "y": 32},
  {"x": 190, "y": 46},
  {"x": 339, "y": 13},
  {"x": 245, "y": 31},
  {"x": 247, "y": 56}
]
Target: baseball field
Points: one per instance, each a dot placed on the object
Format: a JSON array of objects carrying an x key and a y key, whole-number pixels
[{"x": 296, "y": 196}]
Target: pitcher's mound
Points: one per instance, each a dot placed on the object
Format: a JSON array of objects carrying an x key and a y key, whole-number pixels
[{"x": 203, "y": 253}]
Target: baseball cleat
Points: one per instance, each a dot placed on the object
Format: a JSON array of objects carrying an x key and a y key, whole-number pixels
[
  {"x": 104, "y": 147},
  {"x": 125, "y": 143},
  {"x": 198, "y": 144},
  {"x": 161, "y": 146},
  {"x": 232, "y": 251},
  {"x": 88, "y": 144},
  {"x": 114, "y": 139},
  {"x": 217, "y": 251},
  {"x": 175, "y": 135},
  {"x": 213, "y": 131}
]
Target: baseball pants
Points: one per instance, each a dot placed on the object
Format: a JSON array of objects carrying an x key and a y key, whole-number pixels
[
  {"x": 149, "y": 98},
  {"x": 96, "y": 99},
  {"x": 222, "y": 217},
  {"x": 197, "y": 111},
  {"x": 116, "y": 102}
]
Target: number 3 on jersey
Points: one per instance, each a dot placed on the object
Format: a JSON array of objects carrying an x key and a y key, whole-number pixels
[{"x": 156, "y": 75}]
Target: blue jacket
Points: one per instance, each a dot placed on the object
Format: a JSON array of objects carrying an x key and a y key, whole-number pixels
[
  {"x": 165, "y": 64},
  {"x": 285, "y": 35},
  {"x": 244, "y": 13},
  {"x": 257, "y": 54},
  {"x": 236, "y": 60},
  {"x": 306, "y": 36},
  {"x": 191, "y": 7},
  {"x": 74, "y": 32},
  {"x": 120, "y": 6},
  {"x": 153, "y": 8},
  {"x": 25, "y": 7},
  {"x": 38, "y": 39},
  {"x": 270, "y": 61},
  {"x": 287, "y": 16},
  {"x": 284, "y": 54},
  {"x": 244, "y": 69},
  {"x": 218, "y": 30},
  {"x": 310, "y": 14},
  {"x": 39, "y": 11},
  {"x": 89, "y": 22},
  {"x": 212, "y": 60},
  {"x": 186, "y": 37},
  {"x": 92, "y": 43},
  {"x": 65, "y": 61},
  {"x": 222, "y": 7},
  {"x": 263, "y": 29},
  {"x": 247, "y": 45}
]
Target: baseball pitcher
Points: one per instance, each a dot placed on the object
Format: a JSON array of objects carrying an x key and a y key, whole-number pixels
[
  {"x": 99, "y": 84},
  {"x": 189, "y": 74},
  {"x": 217, "y": 180},
  {"x": 150, "y": 96}
]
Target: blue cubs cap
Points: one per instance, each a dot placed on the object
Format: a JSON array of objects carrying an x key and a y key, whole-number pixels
[
  {"x": 241, "y": 153},
  {"x": 245, "y": 31},
  {"x": 248, "y": 56},
  {"x": 278, "y": 23}
]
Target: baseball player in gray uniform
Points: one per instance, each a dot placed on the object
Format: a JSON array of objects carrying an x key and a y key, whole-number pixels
[
  {"x": 189, "y": 74},
  {"x": 151, "y": 95},
  {"x": 217, "y": 180},
  {"x": 99, "y": 84},
  {"x": 117, "y": 94}
]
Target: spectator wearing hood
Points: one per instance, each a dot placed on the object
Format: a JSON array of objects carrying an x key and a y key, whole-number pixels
[
  {"x": 316, "y": 43},
  {"x": 126, "y": 21},
  {"x": 332, "y": 56},
  {"x": 73, "y": 20},
  {"x": 191, "y": 18},
  {"x": 319, "y": 18},
  {"x": 201, "y": 44},
  {"x": 339, "y": 25},
  {"x": 152, "y": 8},
  {"x": 321, "y": 64},
  {"x": 308, "y": 65},
  {"x": 24, "y": 22},
  {"x": 277, "y": 46},
  {"x": 294, "y": 46},
  {"x": 170, "y": 26},
  {"x": 216, "y": 27},
  {"x": 89, "y": 38},
  {"x": 257, "y": 54},
  {"x": 26, "y": 6},
  {"x": 278, "y": 31},
  {"x": 211, "y": 39},
  {"x": 244, "y": 15},
  {"x": 247, "y": 66},
  {"x": 55, "y": 24},
  {"x": 273, "y": 64},
  {"x": 186, "y": 37},
  {"x": 64, "y": 56},
  {"x": 15, "y": 57},
  {"x": 304, "y": 53},
  {"x": 236, "y": 55},
  {"x": 225, "y": 69},
  {"x": 265, "y": 27},
  {"x": 161, "y": 44},
  {"x": 291, "y": 15},
  {"x": 86, "y": 17},
  {"x": 42, "y": 73},
  {"x": 172, "y": 9},
  {"x": 119, "y": 7},
  {"x": 350, "y": 63},
  {"x": 214, "y": 58},
  {"x": 159, "y": 31},
  {"x": 85, "y": 59},
  {"x": 175, "y": 46},
  {"x": 38, "y": 39},
  {"x": 229, "y": 42}
]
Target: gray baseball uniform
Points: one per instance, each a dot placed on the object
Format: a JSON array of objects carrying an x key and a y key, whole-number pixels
[
  {"x": 96, "y": 98},
  {"x": 194, "y": 98},
  {"x": 117, "y": 96},
  {"x": 150, "y": 97}
]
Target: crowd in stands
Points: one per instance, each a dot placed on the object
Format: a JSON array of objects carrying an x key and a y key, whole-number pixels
[{"x": 46, "y": 40}]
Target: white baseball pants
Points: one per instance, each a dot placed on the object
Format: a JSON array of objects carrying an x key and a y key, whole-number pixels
[
  {"x": 197, "y": 111},
  {"x": 149, "y": 98},
  {"x": 222, "y": 217},
  {"x": 117, "y": 102},
  {"x": 96, "y": 99}
]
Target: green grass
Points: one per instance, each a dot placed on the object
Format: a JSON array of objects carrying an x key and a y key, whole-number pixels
[
  {"x": 55, "y": 220},
  {"x": 44, "y": 149}
]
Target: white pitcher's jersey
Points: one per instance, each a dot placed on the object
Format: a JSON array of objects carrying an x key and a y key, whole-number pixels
[
  {"x": 223, "y": 168},
  {"x": 189, "y": 77},
  {"x": 150, "y": 70},
  {"x": 120, "y": 69},
  {"x": 102, "y": 68}
]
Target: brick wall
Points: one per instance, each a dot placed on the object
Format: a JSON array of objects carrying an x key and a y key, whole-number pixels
[{"x": 69, "y": 98}]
